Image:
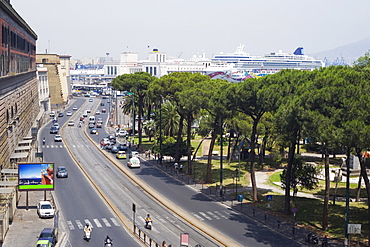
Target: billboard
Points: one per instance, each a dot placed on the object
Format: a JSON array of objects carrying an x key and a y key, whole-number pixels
[{"x": 35, "y": 176}]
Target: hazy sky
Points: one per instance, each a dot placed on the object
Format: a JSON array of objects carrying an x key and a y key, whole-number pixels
[{"x": 91, "y": 28}]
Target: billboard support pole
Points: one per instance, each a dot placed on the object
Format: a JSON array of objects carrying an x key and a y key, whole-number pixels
[
  {"x": 27, "y": 200},
  {"x": 44, "y": 195}
]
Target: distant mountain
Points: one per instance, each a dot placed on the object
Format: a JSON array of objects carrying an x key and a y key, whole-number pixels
[{"x": 345, "y": 54}]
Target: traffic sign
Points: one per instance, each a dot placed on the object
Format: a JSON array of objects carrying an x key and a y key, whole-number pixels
[
  {"x": 294, "y": 210},
  {"x": 269, "y": 198},
  {"x": 354, "y": 228}
]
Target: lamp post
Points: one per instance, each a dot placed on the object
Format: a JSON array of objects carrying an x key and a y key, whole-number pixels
[
  {"x": 133, "y": 118},
  {"x": 221, "y": 165},
  {"x": 160, "y": 131}
]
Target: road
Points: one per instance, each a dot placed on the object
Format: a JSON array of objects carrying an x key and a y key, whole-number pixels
[{"x": 77, "y": 200}]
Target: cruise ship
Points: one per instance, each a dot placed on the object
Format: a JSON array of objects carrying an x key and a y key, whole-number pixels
[{"x": 240, "y": 65}]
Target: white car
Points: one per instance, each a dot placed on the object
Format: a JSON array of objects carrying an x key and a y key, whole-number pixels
[
  {"x": 75, "y": 108},
  {"x": 122, "y": 133},
  {"x": 57, "y": 138},
  {"x": 134, "y": 162},
  {"x": 69, "y": 113},
  {"x": 45, "y": 209},
  {"x": 56, "y": 125},
  {"x": 71, "y": 123}
]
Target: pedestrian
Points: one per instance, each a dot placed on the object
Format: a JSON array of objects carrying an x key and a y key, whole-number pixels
[
  {"x": 164, "y": 244},
  {"x": 181, "y": 168},
  {"x": 176, "y": 166}
]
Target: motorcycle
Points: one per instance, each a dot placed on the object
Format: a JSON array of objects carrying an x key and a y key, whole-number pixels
[
  {"x": 43, "y": 141},
  {"x": 312, "y": 238}
]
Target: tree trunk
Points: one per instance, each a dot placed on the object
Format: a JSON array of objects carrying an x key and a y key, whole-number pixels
[
  {"x": 358, "y": 193},
  {"x": 367, "y": 186},
  {"x": 139, "y": 123},
  {"x": 289, "y": 173},
  {"x": 179, "y": 139},
  {"x": 252, "y": 157},
  {"x": 209, "y": 162},
  {"x": 325, "y": 211},
  {"x": 196, "y": 151},
  {"x": 188, "y": 143}
]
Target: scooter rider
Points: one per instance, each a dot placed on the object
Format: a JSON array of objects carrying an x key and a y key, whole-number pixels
[
  {"x": 87, "y": 228},
  {"x": 108, "y": 241},
  {"x": 147, "y": 220},
  {"x": 43, "y": 140}
]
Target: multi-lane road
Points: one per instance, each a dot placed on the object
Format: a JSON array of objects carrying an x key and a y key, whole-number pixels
[{"x": 180, "y": 209}]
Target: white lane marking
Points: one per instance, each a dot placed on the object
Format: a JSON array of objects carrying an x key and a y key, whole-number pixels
[
  {"x": 197, "y": 216},
  {"x": 70, "y": 225},
  {"x": 88, "y": 222},
  {"x": 79, "y": 224},
  {"x": 61, "y": 146},
  {"x": 106, "y": 222},
  {"x": 219, "y": 214},
  {"x": 205, "y": 216},
  {"x": 213, "y": 215},
  {"x": 97, "y": 223},
  {"x": 115, "y": 222}
]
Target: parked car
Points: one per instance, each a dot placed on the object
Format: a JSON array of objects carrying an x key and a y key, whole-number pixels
[
  {"x": 57, "y": 138},
  {"x": 50, "y": 234},
  {"x": 121, "y": 133},
  {"x": 62, "y": 172},
  {"x": 45, "y": 209}
]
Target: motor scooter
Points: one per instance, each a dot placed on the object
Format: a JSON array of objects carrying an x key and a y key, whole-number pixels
[
  {"x": 87, "y": 235},
  {"x": 148, "y": 224},
  {"x": 312, "y": 238},
  {"x": 108, "y": 243}
]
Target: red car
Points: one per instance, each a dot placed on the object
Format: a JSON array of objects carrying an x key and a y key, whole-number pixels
[
  {"x": 82, "y": 118},
  {"x": 103, "y": 111}
]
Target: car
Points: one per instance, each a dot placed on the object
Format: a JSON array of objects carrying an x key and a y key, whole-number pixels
[
  {"x": 91, "y": 125},
  {"x": 99, "y": 125},
  {"x": 122, "y": 146},
  {"x": 57, "y": 138},
  {"x": 45, "y": 209},
  {"x": 69, "y": 113},
  {"x": 90, "y": 100},
  {"x": 71, "y": 123},
  {"x": 121, "y": 155},
  {"x": 85, "y": 115},
  {"x": 114, "y": 149},
  {"x": 121, "y": 133},
  {"x": 97, "y": 112},
  {"x": 134, "y": 162},
  {"x": 60, "y": 114},
  {"x": 52, "y": 114},
  {"x": 104, "y": 142},
  {"x": 102, "y": 104},
  {"x": 88, "y": 111},
  {"x": 62, "y": 172},
  {"x": 56, "y": 125},
  {"x": 53, "y": 130},
  {"x": 93, "y": 131},
  {"x": 44, "y": 243},
  {"x": 75, "y": 108},
  {"x": 103, "y": 111},
  {"x": 50, "y": 234},
  {"x": 82, "y": 118}
]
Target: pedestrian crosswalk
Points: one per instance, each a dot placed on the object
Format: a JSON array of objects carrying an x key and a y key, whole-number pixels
[
  {"x": 98, "y": 223},
  {"x": 211, "y": 215}
]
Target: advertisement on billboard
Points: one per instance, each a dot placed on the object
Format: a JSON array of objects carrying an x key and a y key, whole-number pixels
[{"x": 36, "y": 176}]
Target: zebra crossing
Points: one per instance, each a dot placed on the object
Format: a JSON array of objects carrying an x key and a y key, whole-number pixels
[
  {"x": 211, "y": 215},
  {"x": 98, "y": 223}
]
